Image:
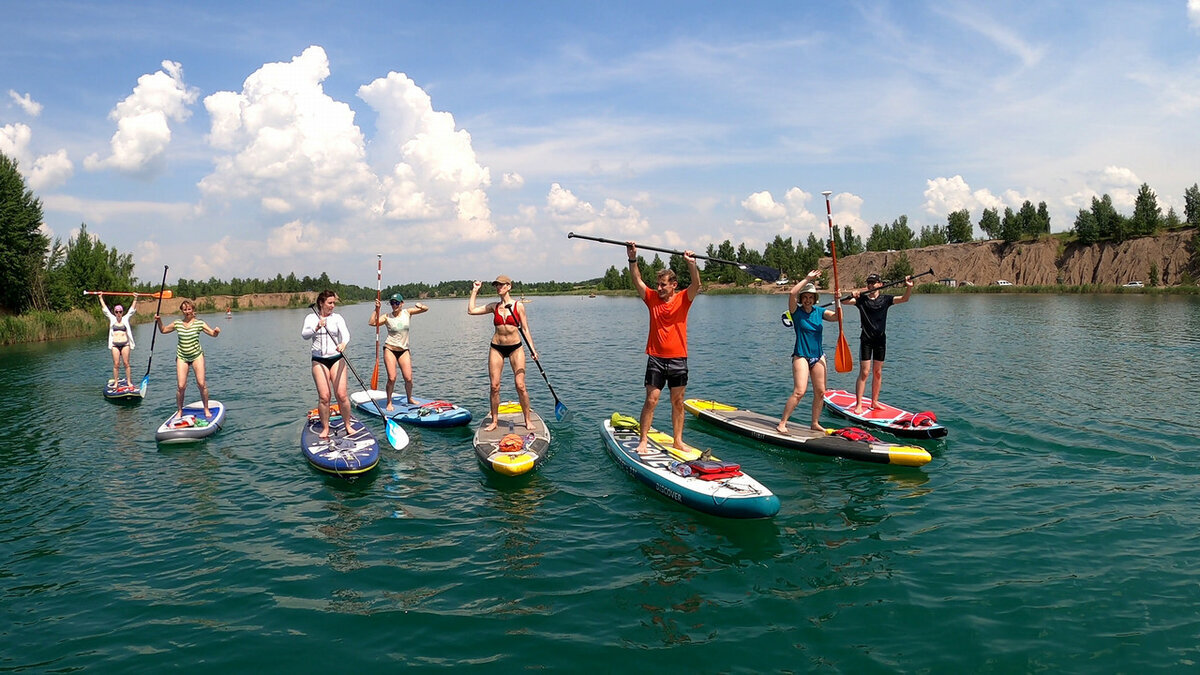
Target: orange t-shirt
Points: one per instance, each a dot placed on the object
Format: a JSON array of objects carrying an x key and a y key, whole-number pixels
[{"x": 668, "y": 324}]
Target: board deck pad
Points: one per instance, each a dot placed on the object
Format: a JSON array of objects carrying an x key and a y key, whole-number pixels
[
  {"x": 739, "y": 496},
  {"x": 512, "y": 421},
  {"x": 340, "y": 455}
]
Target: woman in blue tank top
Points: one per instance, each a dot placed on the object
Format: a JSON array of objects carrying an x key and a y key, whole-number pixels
[{"x": 808, "y": 356}]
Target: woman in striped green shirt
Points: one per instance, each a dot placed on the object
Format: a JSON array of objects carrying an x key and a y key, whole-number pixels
[{"x": 189, "y": 354}]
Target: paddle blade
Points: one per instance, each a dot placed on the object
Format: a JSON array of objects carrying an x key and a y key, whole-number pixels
[
  {"x": 761, "y": 271},
  {"x": 145, "y": 383},
  {"x": 165, "y": 295},
  {"x": 842, "y": 362},
  {"x": 396, "y": 434},
  {"x": 375, "y": 375},
  {"x": 560, "y": 412}
]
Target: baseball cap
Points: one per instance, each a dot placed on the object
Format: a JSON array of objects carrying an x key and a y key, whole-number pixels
[
  {"x": 396, "y": 298},
  {"x": 502, "y": 279},
  {"x": 873, "y": 277}
]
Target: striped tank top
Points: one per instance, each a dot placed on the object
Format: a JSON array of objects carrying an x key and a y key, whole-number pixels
[{"x": 189, "y": 339}]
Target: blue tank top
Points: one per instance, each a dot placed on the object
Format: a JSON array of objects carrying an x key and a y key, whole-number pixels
[{"x": 809, "y": 328}]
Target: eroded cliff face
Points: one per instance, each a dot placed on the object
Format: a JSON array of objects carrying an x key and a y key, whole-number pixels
[{"x": 1041, "y": 262}]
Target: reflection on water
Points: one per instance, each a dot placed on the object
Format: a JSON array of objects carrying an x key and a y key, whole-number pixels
[{"x": 1066, "y": 481}]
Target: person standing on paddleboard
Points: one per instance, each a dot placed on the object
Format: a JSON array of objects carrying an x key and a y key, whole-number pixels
[
  {"x": 330, "y": 335},
  {"x": 872, "y": 341},
  {"x": 189, "y": 353},
  {"x": 666, "y": 344},
  {"x": 508, "y": 316},
  {"x": 120, "y": 335},
  {"x": 808, "y": 356},
  {"x": 395, "y": 348}
]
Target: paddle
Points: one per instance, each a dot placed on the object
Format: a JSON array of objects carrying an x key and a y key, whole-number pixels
[
  {"x": 378, "y": 288},
  {"x": 560, "y": 411},
  {"x": 761, "y": 271},
  {"x": 162, "y": 293},
  {"x": 395, "y": 433},
  {"x": 842, "y": 362},
  {"x": 887, "y": 285}
]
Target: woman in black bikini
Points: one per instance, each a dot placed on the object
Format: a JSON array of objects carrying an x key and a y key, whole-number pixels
[{"x": 508, "y": 316}]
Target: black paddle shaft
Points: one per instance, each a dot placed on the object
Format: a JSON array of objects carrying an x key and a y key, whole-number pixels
[
  {"x": 888, "y": 285},
  {"x": 154, "y": 333},
  {"x": 761, "y": 271}
]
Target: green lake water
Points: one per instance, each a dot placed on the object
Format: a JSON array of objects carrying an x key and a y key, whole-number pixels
[{"x": 1054, "y": 530}]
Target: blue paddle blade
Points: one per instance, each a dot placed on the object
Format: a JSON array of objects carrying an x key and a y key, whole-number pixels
[
  {"x": 396, "y": 434},
  {"x": 145, "y": 383},
  {"x": 560, "y": 412}
]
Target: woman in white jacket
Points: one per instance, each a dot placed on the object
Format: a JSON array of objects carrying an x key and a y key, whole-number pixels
[{"x": 330, "y": 335}]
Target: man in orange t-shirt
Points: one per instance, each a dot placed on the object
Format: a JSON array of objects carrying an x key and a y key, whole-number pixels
[{"x": 667, "y": 343}]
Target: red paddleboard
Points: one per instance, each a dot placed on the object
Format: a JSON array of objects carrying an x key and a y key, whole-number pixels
[{"x": 885, "y": 417}]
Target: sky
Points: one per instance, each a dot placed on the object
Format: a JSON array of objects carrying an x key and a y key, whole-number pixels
[{"x": 462, "y": 140}]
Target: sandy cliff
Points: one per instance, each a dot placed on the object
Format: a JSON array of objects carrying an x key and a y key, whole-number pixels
[{"x": 1041, "y": 262}]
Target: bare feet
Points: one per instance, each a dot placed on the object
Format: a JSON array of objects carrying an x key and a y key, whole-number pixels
[
  {"x": 818, "y": 427},
  {"x": 390, "y": 407},
  {"x": 324, "y": 435},
  {"x": 530, "y": 425},
  {"x": 781, "y": 428},
  {"x": 491, "y": 427},
  {"x": 207, "y": 414},
  {"x": 858, "y": 409},
  {"x": 641, "y": 449},
  {"x": 876, "y": 406},
  {"x": 410, "y": 402}
]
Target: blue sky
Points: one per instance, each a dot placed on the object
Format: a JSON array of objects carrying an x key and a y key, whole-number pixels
[{"x": 465, "y": 139}]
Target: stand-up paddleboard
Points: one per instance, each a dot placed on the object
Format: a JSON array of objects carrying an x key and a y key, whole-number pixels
[
  {"x": 424, "y": 413},
  {"x": 830, "y": 443},
  {"x": 193, "y": 424},
  {"x": 512, "y": 449},
  {"x": 340, "y": 455},
  {"x": 677, "y": 475},
  {"x": 885, "y": 417},
  {"x": 121, "y": 391}
]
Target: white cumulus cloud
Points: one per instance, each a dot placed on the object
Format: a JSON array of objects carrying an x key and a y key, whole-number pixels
[
  {"x": 615, "y": 218},
  {"x": 26, "y": 103},
  {"x": 433, "y": 171},
  {"x": 290, "y": 145},
  {"x": 144, "y": 121},
  {"x": 41, "y": 173},
  {"x": 1193, "y": 12},
  {"x": 296, "y": 237},
  {"x": 944, "y": 196}
]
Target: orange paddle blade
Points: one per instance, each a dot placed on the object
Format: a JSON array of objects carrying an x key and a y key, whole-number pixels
[{"x": 842, "y": 362}]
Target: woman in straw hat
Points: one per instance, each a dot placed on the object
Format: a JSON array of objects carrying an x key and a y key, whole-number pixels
[{"x": 808, "y": 356}]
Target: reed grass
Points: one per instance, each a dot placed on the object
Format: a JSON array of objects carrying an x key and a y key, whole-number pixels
[{"x": 39, "y": 326}]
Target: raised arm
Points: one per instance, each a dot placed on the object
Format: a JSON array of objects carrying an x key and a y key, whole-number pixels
[
  {"x": 908, "y": 286},
  {"x": 418, "y": 308},
  {"x": 375, "y": 319},
  {"x": 794, "y": 294},
  {"x": 635, "y": 272},
  {"x": 471, "y": 306},
  {"x": 693, "y": 288}
]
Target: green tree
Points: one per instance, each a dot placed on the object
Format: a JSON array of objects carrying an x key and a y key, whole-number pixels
[
  {"x": 1191, "y": 205},
  {"x": 989, "y": 223},
  {"x": 88, "y": 264},
  {"x": 22, "y": 245},
  {"x": 1086, "y": 229},
  {"x": 612, "y": 279},
  {"x": 900, "y": 268},
  {"x": 958, "y": 226},
  {"x": 1147, "y": 216},
  {"x": 1109, "y": 223},
  {"x": 932, "y": 236},
  {"x": 1010, "y": 226},
  {"x": 1043, "y": 216}
]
